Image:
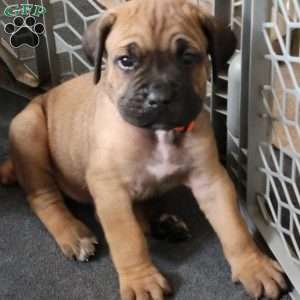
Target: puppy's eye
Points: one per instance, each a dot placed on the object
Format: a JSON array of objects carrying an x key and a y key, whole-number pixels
[
  {"x": 127, "y": 62},
  {"x": 190, "y": 58}
]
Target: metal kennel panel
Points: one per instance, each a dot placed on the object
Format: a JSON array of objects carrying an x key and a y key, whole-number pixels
[
  {"x": 70, "y": 20},
  {"x": 273, "y": 189}
]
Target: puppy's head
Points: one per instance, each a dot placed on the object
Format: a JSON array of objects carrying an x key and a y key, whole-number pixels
[{"x": 152, "y": 57}]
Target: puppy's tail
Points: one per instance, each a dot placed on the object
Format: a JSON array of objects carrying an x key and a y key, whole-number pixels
[{"x": 7, "y": 173}]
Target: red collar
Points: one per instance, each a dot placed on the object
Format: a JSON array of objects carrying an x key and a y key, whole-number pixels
[{"x": 188, "y": 128}]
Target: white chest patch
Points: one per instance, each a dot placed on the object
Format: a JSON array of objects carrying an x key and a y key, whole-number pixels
[{"x": 166, "y": 159}]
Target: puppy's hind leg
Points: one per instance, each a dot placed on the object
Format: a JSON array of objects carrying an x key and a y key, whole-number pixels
[
  {"x": 7, "y": 173},
  {"x": 155, "y": 222},
  {"x": 169, "y": 227},
  {"x": 30, "y": 154}
]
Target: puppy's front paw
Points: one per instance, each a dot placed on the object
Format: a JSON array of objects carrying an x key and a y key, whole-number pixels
[
  {"x": 77, "y": 241},
  {"x": 145, "y": 285},
  {"x": 260, "y": 275}
]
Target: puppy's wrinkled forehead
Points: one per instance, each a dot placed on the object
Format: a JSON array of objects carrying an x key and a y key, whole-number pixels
[{"x": 157, "y": 25}]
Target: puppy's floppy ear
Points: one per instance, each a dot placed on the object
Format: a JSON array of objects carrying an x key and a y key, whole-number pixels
[
  {"x": 94, "y": 39},
  {"x": 89, "y": 41},
  {"x": 221, "y": 42}
]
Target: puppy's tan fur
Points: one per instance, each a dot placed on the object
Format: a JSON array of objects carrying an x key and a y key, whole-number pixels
[{"x": 73, "y": 139}]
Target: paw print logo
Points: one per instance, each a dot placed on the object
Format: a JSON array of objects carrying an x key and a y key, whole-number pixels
[{"x": 24, "y": 31}]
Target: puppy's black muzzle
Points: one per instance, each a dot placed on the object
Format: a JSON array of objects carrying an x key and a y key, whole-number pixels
[
  {"x": 158, "y": 96},
  {"x": 160, "y": 104}
]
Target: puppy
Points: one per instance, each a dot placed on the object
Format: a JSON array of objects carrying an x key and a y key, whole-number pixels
[{"x": 133, "y": 129}]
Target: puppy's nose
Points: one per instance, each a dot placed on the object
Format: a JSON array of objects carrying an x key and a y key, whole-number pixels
[{"x": 159, "y": 94}]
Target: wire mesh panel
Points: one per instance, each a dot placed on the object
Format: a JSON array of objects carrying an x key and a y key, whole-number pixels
[{"x": 274, "y": 129}]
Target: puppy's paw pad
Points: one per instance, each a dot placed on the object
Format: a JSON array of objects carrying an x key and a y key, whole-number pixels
[
  {"x": 261, "y": 276},
  {"x": 171, "y": 228}
]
